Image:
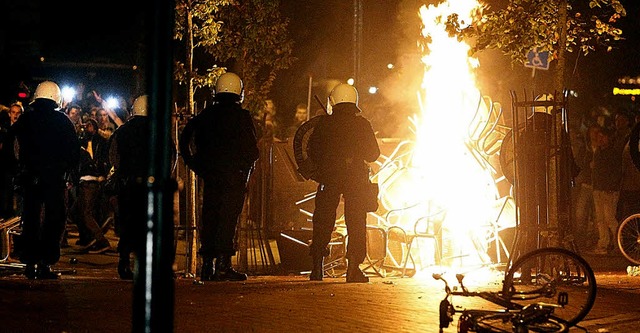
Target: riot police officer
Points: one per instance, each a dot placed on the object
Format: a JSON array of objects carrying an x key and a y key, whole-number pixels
[
  {"x": 48, "y": 149},
  {"x": 341, "y": 146},
  {"x": 128, "y": 153},
  {"x": 220, "y": 146}
]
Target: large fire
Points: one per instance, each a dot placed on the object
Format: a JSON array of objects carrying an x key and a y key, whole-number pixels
[
  {"x": 442, "y": 183},
  {"x": 444, "y": 174}
]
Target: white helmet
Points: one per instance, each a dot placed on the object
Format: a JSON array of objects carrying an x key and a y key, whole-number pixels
[
  {"x": 140, "y": 106},
  {"x": 343, "y": 93},
  {"x": 48, "y": 90},
  {"x": 229, "y": 83}
]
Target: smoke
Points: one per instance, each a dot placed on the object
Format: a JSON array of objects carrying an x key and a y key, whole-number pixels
[{"x": 399, "y": 89}]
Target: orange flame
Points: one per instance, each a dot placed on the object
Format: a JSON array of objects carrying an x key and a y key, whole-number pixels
[{"x": 440, "y": 175}]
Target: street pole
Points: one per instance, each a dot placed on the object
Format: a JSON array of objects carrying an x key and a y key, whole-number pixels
[
  {"x": 153, "y": 285},
  {"x": 357, "y": 40}
]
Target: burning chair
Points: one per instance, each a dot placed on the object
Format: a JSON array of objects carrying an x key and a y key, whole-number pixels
[
  {"x": 407, "y": 242},
  {"x": 9, "y": 229}
]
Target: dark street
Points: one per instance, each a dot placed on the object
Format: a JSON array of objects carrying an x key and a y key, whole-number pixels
[
  {"x": 257, "y": 155},
  {"x": 94, "y": 299}
]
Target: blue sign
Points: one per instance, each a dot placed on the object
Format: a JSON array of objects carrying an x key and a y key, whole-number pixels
[{"x": 537, "y": 60}]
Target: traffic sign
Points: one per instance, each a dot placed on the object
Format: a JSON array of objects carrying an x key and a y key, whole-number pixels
[{"x": 537, "y": 60}]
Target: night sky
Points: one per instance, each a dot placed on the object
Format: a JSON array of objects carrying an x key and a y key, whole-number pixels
[
  {"x": 85, "y": 33},
  {"x": 322, "y": 32}
]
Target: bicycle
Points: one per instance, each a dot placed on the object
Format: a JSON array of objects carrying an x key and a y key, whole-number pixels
[
  {"x": 546, "y": 290},
  {"x": 629, "y": 229},
  {"x": 629, "y": 238}
]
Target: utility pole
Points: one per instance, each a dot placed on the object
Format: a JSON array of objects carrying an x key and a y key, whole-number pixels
[{"x": 357, "y": 40}]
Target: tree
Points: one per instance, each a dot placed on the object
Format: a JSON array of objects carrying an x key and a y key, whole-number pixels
[
  {"x": 198, "y": 27},
  {"x": 555, "y": 26},
  {"x": 256, "y": 44},
  {"x": 247, "y": 37}
]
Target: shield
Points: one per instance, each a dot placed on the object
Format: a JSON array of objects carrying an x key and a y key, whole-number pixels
[{"x": 306, "y": 167}]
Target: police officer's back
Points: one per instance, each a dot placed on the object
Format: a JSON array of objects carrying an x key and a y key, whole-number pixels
[
  {"x": 48, "y": 148},
  {"x": 220, "y": 146},
  {"x": 224, "y": 139},
  {"x": 129, "y": 155},
  {"x": 341, "y": 146}
]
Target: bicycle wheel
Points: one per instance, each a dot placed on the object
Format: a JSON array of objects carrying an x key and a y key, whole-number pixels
[
  {"x": 553, "y": 276},
  {"x": 493, "y": 323},
  {"x": 551, "y": 325},
  {"x": 502, "y": 322},
  {"x": 629, "y": 238}
]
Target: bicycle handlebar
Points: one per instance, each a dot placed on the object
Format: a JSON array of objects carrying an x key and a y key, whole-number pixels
[{"x": 497, "y": 298}]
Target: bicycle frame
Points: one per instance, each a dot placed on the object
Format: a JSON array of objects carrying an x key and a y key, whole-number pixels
[
  {"x": 546, "y": 290},
  {"x": 519, "y": 316}
]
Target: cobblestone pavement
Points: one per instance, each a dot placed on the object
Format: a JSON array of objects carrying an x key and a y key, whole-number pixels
[{"x": 93, "y": 299}]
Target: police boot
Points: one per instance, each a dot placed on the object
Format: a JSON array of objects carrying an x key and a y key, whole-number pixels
[
  {"x": 124, "y": 269},
  {"x": 354, "y": 274},
  {"x": 45, "y": 272},
  {"x": 206, "y": 272},
  {"x": 30, "y": 271},
  {"x": 225, "y": 272},
  {"x": 317, "y": 270}
]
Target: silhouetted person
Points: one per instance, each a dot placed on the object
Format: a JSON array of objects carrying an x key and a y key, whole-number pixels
[
  {"x": 8, "y": 162},
  {"x": 220, "y": 146},
  {"x": 91, "y": 202},
  {"x": 341, "y": 146},
  {"x": 48, "y": 148},
  {"x": 606, "y": 178},
  {"x": 129, "y": 155},
  {"x": 298, "y": 119}
]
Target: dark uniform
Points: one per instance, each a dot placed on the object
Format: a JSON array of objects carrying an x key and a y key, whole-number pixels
[
  {"x": 48, "y": 149},
  {"x": 220, "y": 146},
  {"x": 129, "y": 154},
  {"x": 341, "y": 146}
]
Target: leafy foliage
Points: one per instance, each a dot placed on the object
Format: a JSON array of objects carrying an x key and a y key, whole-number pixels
[
  {"x": 206, "y": 29},
  {"x": 257, "y": 43},
  {"x": 527, "y": 24},
  {"x": 249, "y": 37}
]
